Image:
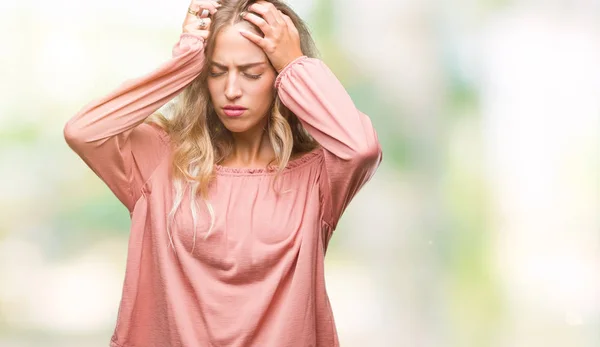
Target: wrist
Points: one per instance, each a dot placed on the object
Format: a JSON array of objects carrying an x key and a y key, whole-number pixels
[
  {"x": 289, "y": 62},
  {"x": 286, "y": 68}
]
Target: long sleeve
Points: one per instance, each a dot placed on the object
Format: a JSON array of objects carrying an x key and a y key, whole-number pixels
[
  {"x": 109, "y": 133},
  {"x": 351, "y": 149}
]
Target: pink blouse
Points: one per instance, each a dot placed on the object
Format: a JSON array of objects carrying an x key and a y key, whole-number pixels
[{"x": 257, "y": 280}]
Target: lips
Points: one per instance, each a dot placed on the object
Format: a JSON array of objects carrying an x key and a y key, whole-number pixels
[{"x": 234, "y": 110}]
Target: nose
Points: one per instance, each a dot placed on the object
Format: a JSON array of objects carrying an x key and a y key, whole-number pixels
[{"x": 232, "y": 88}]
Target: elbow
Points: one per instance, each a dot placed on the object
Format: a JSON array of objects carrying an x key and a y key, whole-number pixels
[
  {"x": 367, "y": 149},
  {"x": 72, "y": 135},
  {"x": 69, "y": 134},
  {"x": 369, "y": 154}
]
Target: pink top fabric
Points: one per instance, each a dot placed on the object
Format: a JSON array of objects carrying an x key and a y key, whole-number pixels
[{"x": 258, "y": 279}]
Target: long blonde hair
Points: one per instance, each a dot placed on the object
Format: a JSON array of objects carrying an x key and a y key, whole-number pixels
[{"x": 200, "y": 141}]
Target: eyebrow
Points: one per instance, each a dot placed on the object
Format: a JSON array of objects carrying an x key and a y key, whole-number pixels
[{"x": 241, "y": 67}]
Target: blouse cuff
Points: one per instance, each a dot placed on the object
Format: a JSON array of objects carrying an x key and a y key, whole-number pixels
[
  {"x": 287, "y": 68},
  {"x": 186, "y": 41}
]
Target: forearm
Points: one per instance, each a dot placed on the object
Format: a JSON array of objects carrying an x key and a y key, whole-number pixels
[
  {"x": 132, "y": 102},
  {"x": 313, "y": 93}
]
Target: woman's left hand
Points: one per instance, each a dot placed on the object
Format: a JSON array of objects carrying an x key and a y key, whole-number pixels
[{"x": 281, "y": 42}]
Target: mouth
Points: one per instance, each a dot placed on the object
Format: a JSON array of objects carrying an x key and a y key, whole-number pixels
[{"x": 234, "y": 110}]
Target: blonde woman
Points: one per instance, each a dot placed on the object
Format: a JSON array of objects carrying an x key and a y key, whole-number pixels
[{"x": 233, "y": 198}]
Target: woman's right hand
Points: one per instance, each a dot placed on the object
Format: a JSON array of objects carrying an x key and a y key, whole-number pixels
[{"x": 193, "y": 23}]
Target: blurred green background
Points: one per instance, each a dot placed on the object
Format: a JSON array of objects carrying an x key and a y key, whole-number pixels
[{"x": 481, "y": 227}]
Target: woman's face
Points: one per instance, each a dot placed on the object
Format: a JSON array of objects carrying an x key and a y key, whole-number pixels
[{"x": 240, "y": 81}]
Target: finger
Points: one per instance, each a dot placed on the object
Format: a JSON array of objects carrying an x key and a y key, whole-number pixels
[
  {"x": 259, "y": 41},
  {"x": 289, "y": 22},
  {"x": 194, "y": 31},
  {"x": 258, "y": 21},
  {"x": 191, "y": 29},
  {"x": 204, "y": 13},
  {"x": 196, "y": 25},
  {"x": 198, "y": 5},
  {"x": 267, "y": 12},
  {"x": 203, "y": 23}
]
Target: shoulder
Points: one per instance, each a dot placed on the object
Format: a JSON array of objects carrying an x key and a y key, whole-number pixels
[
  {"x": 149, "y": 144},
  {"x": 306, "y": 159},
  {"x": 150, "y": 134}
]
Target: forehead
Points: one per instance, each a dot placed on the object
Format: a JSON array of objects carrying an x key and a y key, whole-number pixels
[{"x": 231, "y": 48}]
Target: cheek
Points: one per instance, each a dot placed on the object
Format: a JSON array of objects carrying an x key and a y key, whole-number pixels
[
  {"x": 212, "y": 88},
  {"x": 262, "y": 92}
]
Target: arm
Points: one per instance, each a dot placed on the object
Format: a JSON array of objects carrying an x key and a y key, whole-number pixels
[
  {"x": 351, "y": 149},
  {"x": 312, "y": 92},
  {"x": 108, "y": 133}
]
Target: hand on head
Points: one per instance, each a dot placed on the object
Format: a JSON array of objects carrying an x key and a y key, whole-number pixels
[
  {"x": 281, "y": 41},
  {"x": 197, "y": 20}
]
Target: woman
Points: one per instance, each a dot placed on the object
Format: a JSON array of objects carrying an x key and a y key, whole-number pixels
[{"x": 234, "y": 198}]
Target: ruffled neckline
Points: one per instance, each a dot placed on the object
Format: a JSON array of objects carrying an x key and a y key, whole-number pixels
[{"x": 270, "y": 170}]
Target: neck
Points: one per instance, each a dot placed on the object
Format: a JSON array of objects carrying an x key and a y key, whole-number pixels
[{"x": 250, "y": 149}]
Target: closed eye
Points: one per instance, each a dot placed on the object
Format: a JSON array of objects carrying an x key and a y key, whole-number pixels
[
  {"x": 215, "y": 74},
  {"x": 247, "y": 75},
  {"x": 254, "y": 77}
]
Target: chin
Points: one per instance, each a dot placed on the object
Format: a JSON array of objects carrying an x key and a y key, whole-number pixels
[
  {"x": 235, "y": 125},
  {"x": 237, "y": 129},
  {"x": 242, "y": 124}
]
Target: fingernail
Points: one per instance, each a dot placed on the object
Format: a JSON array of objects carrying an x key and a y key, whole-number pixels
[{"x": 242, "y": 14}]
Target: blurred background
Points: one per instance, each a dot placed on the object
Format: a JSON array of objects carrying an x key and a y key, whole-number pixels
[{"x": 481, "y": 227}]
